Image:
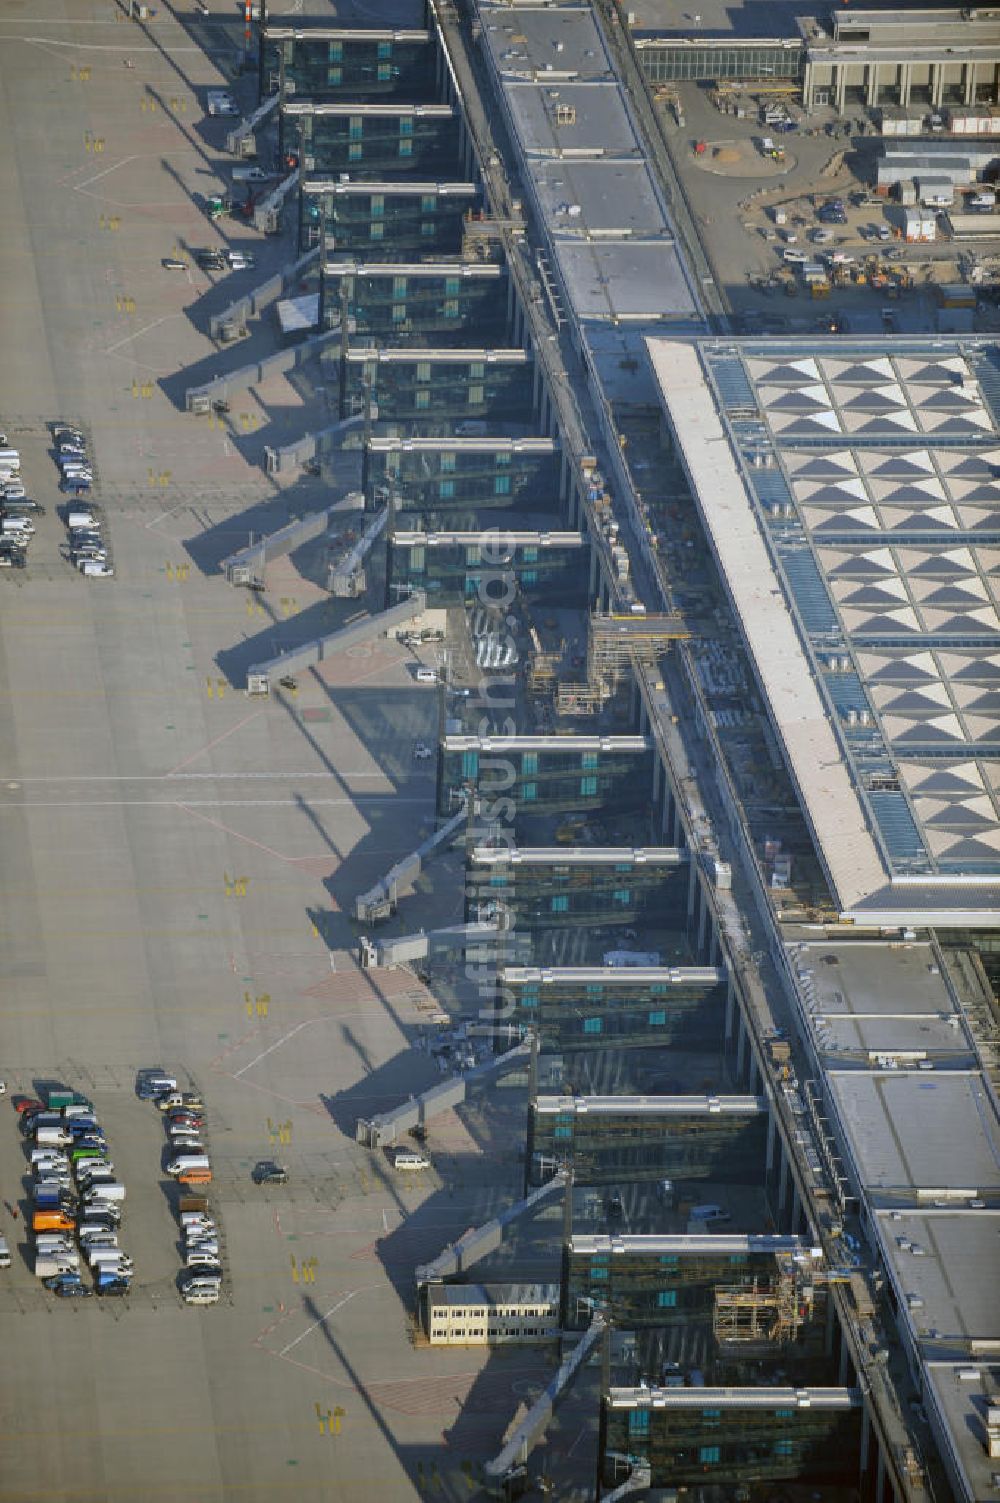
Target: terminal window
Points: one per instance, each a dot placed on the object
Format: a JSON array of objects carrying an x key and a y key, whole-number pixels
[
  {"x": 406, "y": 148},
  {"x": 588, "y": 787},
  {"x": 657, "y": 1019},
  {"x": 667, "y": 1299},
  {"x": 638, "y": 1422},
  {"x": 593, "y": 1025},
  {"x": 710, "y": 1454},
  {"x": 560, "y": 903}
]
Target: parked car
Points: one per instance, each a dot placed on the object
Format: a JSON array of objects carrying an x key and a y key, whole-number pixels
[
  {"x": 267, "y": 1172},
  {"x": 69, "y": 1286}
]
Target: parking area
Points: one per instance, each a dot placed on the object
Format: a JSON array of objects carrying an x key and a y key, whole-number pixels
[
  {"x": 176, "y": 865},
  {"x": 763, "y": 196}
]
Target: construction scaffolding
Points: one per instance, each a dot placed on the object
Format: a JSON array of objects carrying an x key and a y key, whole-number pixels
[
  {"x": 772, "y": 1312},
  {"x": 762, "y": 1313},
  {"x": 579, "y": 699},
  {"x": 616, "y": 643}
]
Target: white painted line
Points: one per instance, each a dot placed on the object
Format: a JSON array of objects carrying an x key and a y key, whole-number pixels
[
  {"x": 98, "y": 175},
  {"x": 319, "y": 1322},
  {"x": 111, "y": 348},
  {"x": 283, "y": 1040}
]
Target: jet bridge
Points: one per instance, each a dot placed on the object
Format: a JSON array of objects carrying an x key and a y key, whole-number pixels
[
  {"x": 478, "y": 1243},
  {"x": 376, "y": 953},
  {"x": 246, "y": 565},
  {"x": 267, "y": 213},
  {"x": 382, "y": 624},
  {"x": 376, "y": 1132},
  {"x": 199, "y": 399},
  {"x": 381, "y": 900},
  {"x": 241, "y": 137},
  {"x": 513, "y": 1458},
  {"x": 346, "y": 579}
]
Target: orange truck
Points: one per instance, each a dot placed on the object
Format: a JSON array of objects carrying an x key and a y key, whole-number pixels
[{"x": 52, "y": 1221}]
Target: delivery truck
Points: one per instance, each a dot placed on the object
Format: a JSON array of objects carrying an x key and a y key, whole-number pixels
[{"x": 52, "y": 1221}]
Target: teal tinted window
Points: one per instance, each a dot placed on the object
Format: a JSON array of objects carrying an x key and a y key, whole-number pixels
[
  {"x": 588, "y": 787},
  {"x": 638, "y": 1422},
  {"x": 709, "y": 1454},
  {"x": 529, "y": 792},
  {"x": 667, "y": 1299},
  {"x": 560, "y": 903},
  {"x": 657, "y": 1019},
  {"x": 593, "y": 1025}
]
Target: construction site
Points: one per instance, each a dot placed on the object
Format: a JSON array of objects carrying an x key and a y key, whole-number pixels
[{"x": 714, "y": 697}]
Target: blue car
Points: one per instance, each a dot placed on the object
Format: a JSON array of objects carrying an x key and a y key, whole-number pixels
[{"x": 68, "y": 1286}]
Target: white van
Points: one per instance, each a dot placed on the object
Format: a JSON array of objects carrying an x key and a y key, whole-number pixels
[
  {"x": 185, "y": 1161},
  {"x": 426, "y": 676},
  {"x": 195, "y": 1295},
  {"x": 408, "y": 1158},
  {"x": 10, "y": 459},
  {"x": 4, "y": 1253},
  {"x": 82, "y": 519}
]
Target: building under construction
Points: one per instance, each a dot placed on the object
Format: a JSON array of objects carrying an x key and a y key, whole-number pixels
[{"x": 606, "y": 1139}]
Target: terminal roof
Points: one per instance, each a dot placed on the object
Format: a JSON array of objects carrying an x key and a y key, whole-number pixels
[
  {"x": 849, "y": 490},
  {"x": 734, "y": 1398},
  {"x": 666, "y": 1106},
  {"x": 716, "y": 1244}
]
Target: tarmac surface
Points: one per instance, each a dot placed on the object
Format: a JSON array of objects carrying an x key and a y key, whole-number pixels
[{"x": 175, "y": 860}]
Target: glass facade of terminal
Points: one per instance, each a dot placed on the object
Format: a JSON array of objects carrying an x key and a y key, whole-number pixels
[
  {"x": 441, "y": 480},
  {"x": 559, "y": 895},
  {"x": 676, "y": 62},
  {"x": 595, "y": 1015},
  {"x": 652, "y": 1288},
  {"x": 404, "y": 144},
  {"x": 730, "y": 1447},
  {"x": 550, "y": 780},
  {"x": 419, "y": 392},
  {"x": 427, "y": 311},
  {"x": 362, "y": 69},
  {"x": 605, "y": 1147},
  {"x": 388, "y": 224},
  {"x": 452, "y": 573}
]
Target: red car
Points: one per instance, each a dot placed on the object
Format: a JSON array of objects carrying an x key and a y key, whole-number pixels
[{"x": 24, "y": 1104}]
